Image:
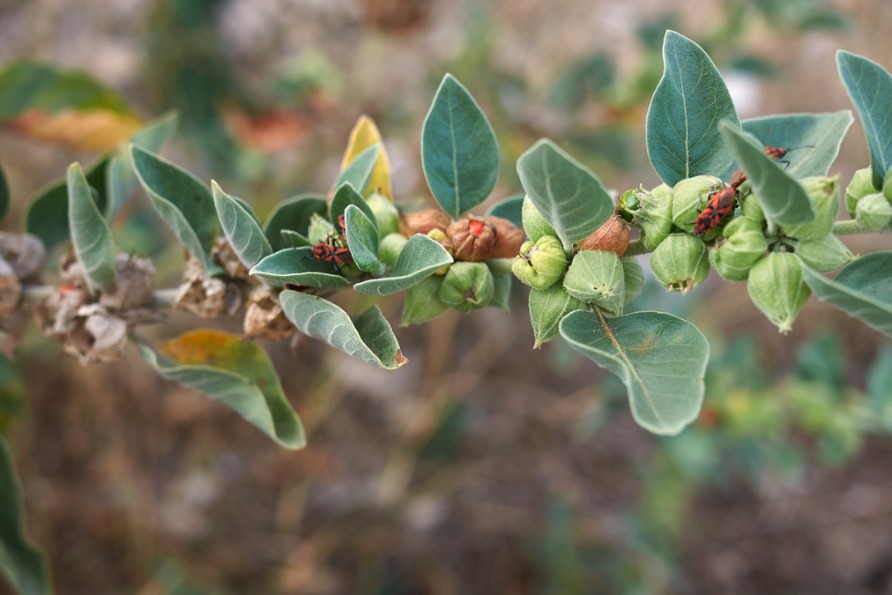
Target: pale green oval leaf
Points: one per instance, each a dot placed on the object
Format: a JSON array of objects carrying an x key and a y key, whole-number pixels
[
  {"x": 367, "y": 337},
  {"x": 420, "y": 258},
  {"x": 4, "y": 194},
  {"x": 690, "y": 100},
  {"x": 241, "y": 228},
  {"x": 293, "y": 239},
  {"x": 238, "y": 374},
  {"x": 298, "y": 267},
  {"x": 293, "y": 214},
  {"x": 90, "y": 234},
  {"x": 659, "y": 357},
  {"x": 359, "y": 172},
  {"x": 120, "y": 178},
  {"x": 347, "y": 195},
  {"x": 509, "y": 209},
  {"x": 783, "y": 199},
  {"x": 862, "y": 290},
  {"x": 570, "y": 197},
  {"x": 47, "y": 216},
  {"x": 459, "y": 151},
  {"x": 184, "y": 202},
  {"x": 869, "y": 86},
  {"x": 21, "y": 563},
  {"x": 362, "y": 239},
  {"x": 814, "y": 139}
]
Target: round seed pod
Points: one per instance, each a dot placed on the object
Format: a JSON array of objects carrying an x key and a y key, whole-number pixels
[
  {"x": 744, "y": 245},
  {"x": 467, "y": 286},
  {"x": 472, "y": 239},
  {"x": 749, "y": 204},
  {"x": 612, "y": 236},
  {"x": 825, "y": 254},
  {"x": 540, "y": 264},
  {"x": 860, "y": 186},
  {"x": 689, "y": 197},
  {"x": 680, "y": 262},
  {"x": 534, "y": 224},
  {"x": 824, "y": 195},
  {"x": 390, "y": 247},
  {"x": 597, "y": 277},
  {"x": 509, "y": 238},
  {"x": 873, "y": 211},
  {"x": 776, "y": 288},
  {"x": 654, "y": 215},
  {"x": 386, "y": 214},
  {"x": 547, "y": 308},
  {"x": 423, "y": 221},
  {"x": 633, "y": 278},
  {"x": 320, "y": 229}
]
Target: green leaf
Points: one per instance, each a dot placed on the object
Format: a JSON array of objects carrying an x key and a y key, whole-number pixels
[
  {"x": 863, "y": 290},
  {"x": 509, "y": 209},
  {"x": 783, "y": 199},
  {"x": 237, "y": 373},
  {"x": 297, "y": 266},
  {"x": 570, "y": 197},
  {"x": 241, "y": 228},
  {"x": 359, "y": 172},
  {"x": 4, "y": 194},
  {"x": 21, "y": 563},
  {"x": 120, "y": 178},
  {"x": 293, "y": 214},
  {"x": 423, "y": 302},
  {"x": 47, "y": 216},
  {"x": 659, "y": 357},
  {"x": 459, "y": 152},
  {"x": 420, "y": 258},
  {"x": 362, "y": 239},
  {"x": 814, "y": 138},
  {"x": 502, "y": 289},
  {"x": 344, "y": 196},
  {"x": 184, "y": 201},
  {"x": 293, "y": 239},
  {"x": 869, "y": 86},
  {"x": 690, "y": 100},
  {"x": 90, "y": 233},
  {"x": 367, "y": 337}
]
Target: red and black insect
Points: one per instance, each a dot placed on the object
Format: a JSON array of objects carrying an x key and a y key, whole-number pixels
[
  {"x": 780, "y": 152},
  {"x": 719, "y": 205},
  {"x": 331, "y": 253}
]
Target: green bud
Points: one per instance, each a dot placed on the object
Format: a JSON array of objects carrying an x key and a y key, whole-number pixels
[
  {"x": 633, "y": 277},
  {"x": 743, "y": 247},
  {"x": 776, "y": 288},
  {"x": 320, "y": 229},
  {"x": 423, "y": 302},
  {"x": 689, "y": 197},
  {"x": 825, "y": 254},
  {"x": 749, "y": 204},
  {"x": 654, "y": 215},
  {"x": 824, "y": 195},
  {"x": 534, "y": 224},
  {"x": 385, "y": 212},
  {"x": 860, "y": 186},
  {"x": 547, "y": 308},
  {"x": 597, "y": 277},
  {"x": 467, "y": 286},
  {"x": 540, "y": 264},
  {"x": 873, "y": 211},
  {"x": 680, "y": 263},
  {"x": 390, "y": 246}
]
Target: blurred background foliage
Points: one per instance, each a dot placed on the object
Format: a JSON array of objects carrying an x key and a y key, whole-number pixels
[{"x": 482, "y": 466}]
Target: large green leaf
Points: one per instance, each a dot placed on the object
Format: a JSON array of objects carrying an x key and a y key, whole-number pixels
[
  {"x": 659, "y": 357},
  {"x": 570, "y": 197},
  {"x": 783, "y": 199},
  {"x": 237, "y": 373},
  {"x": 367, "y": 337},
  {"x": 359, "y": 172},
  {"x": 21, "y": 563},
  {"x": 459, "y": 152},
  {"x": 509, "y": 209},
  {"x": 90, "y": 234},
  {"x": 298, "y": 267},
  {"x": 47, "y": 216},
  {"x": 241, "y": 228},
  {"x": 420, "y": 258},
  {"x": 863, "y": 290},
  {"x": 120, "y": 178},
  {"x": 184, "y": 202},
  {"x": 813, "y": 138},
  {"x": 869, "y": 86},
  {"x": 293, "y": 214},
  {"x": 690, "y": 100},
  {"x": 362, "y": 238},
  {"x": 4, "y": 194},
  {"x": 344, "y": 196}
]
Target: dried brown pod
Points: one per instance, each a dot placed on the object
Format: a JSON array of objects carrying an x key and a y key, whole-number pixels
[
  {"x": 423, "y": 222},
  {"x": 134, "y": 283},
  {"x": 10, "y": 289},
  {"x": 205, "y": 296},
  {"x": 225, "y": 256},
  {"x": 264, "y": 317},
  {"x": 472, "y": 239},
  {"x": 509, "y": 237},
  {"x": 613, "y": 236}
]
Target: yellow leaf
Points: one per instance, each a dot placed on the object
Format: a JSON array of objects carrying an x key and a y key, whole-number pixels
[
  {"x": 364, "y": 135},
  {"x": 90, "y": 130}
]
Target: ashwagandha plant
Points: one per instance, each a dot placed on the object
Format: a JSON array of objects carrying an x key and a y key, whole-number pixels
[{"x": 752, "y": 200}]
